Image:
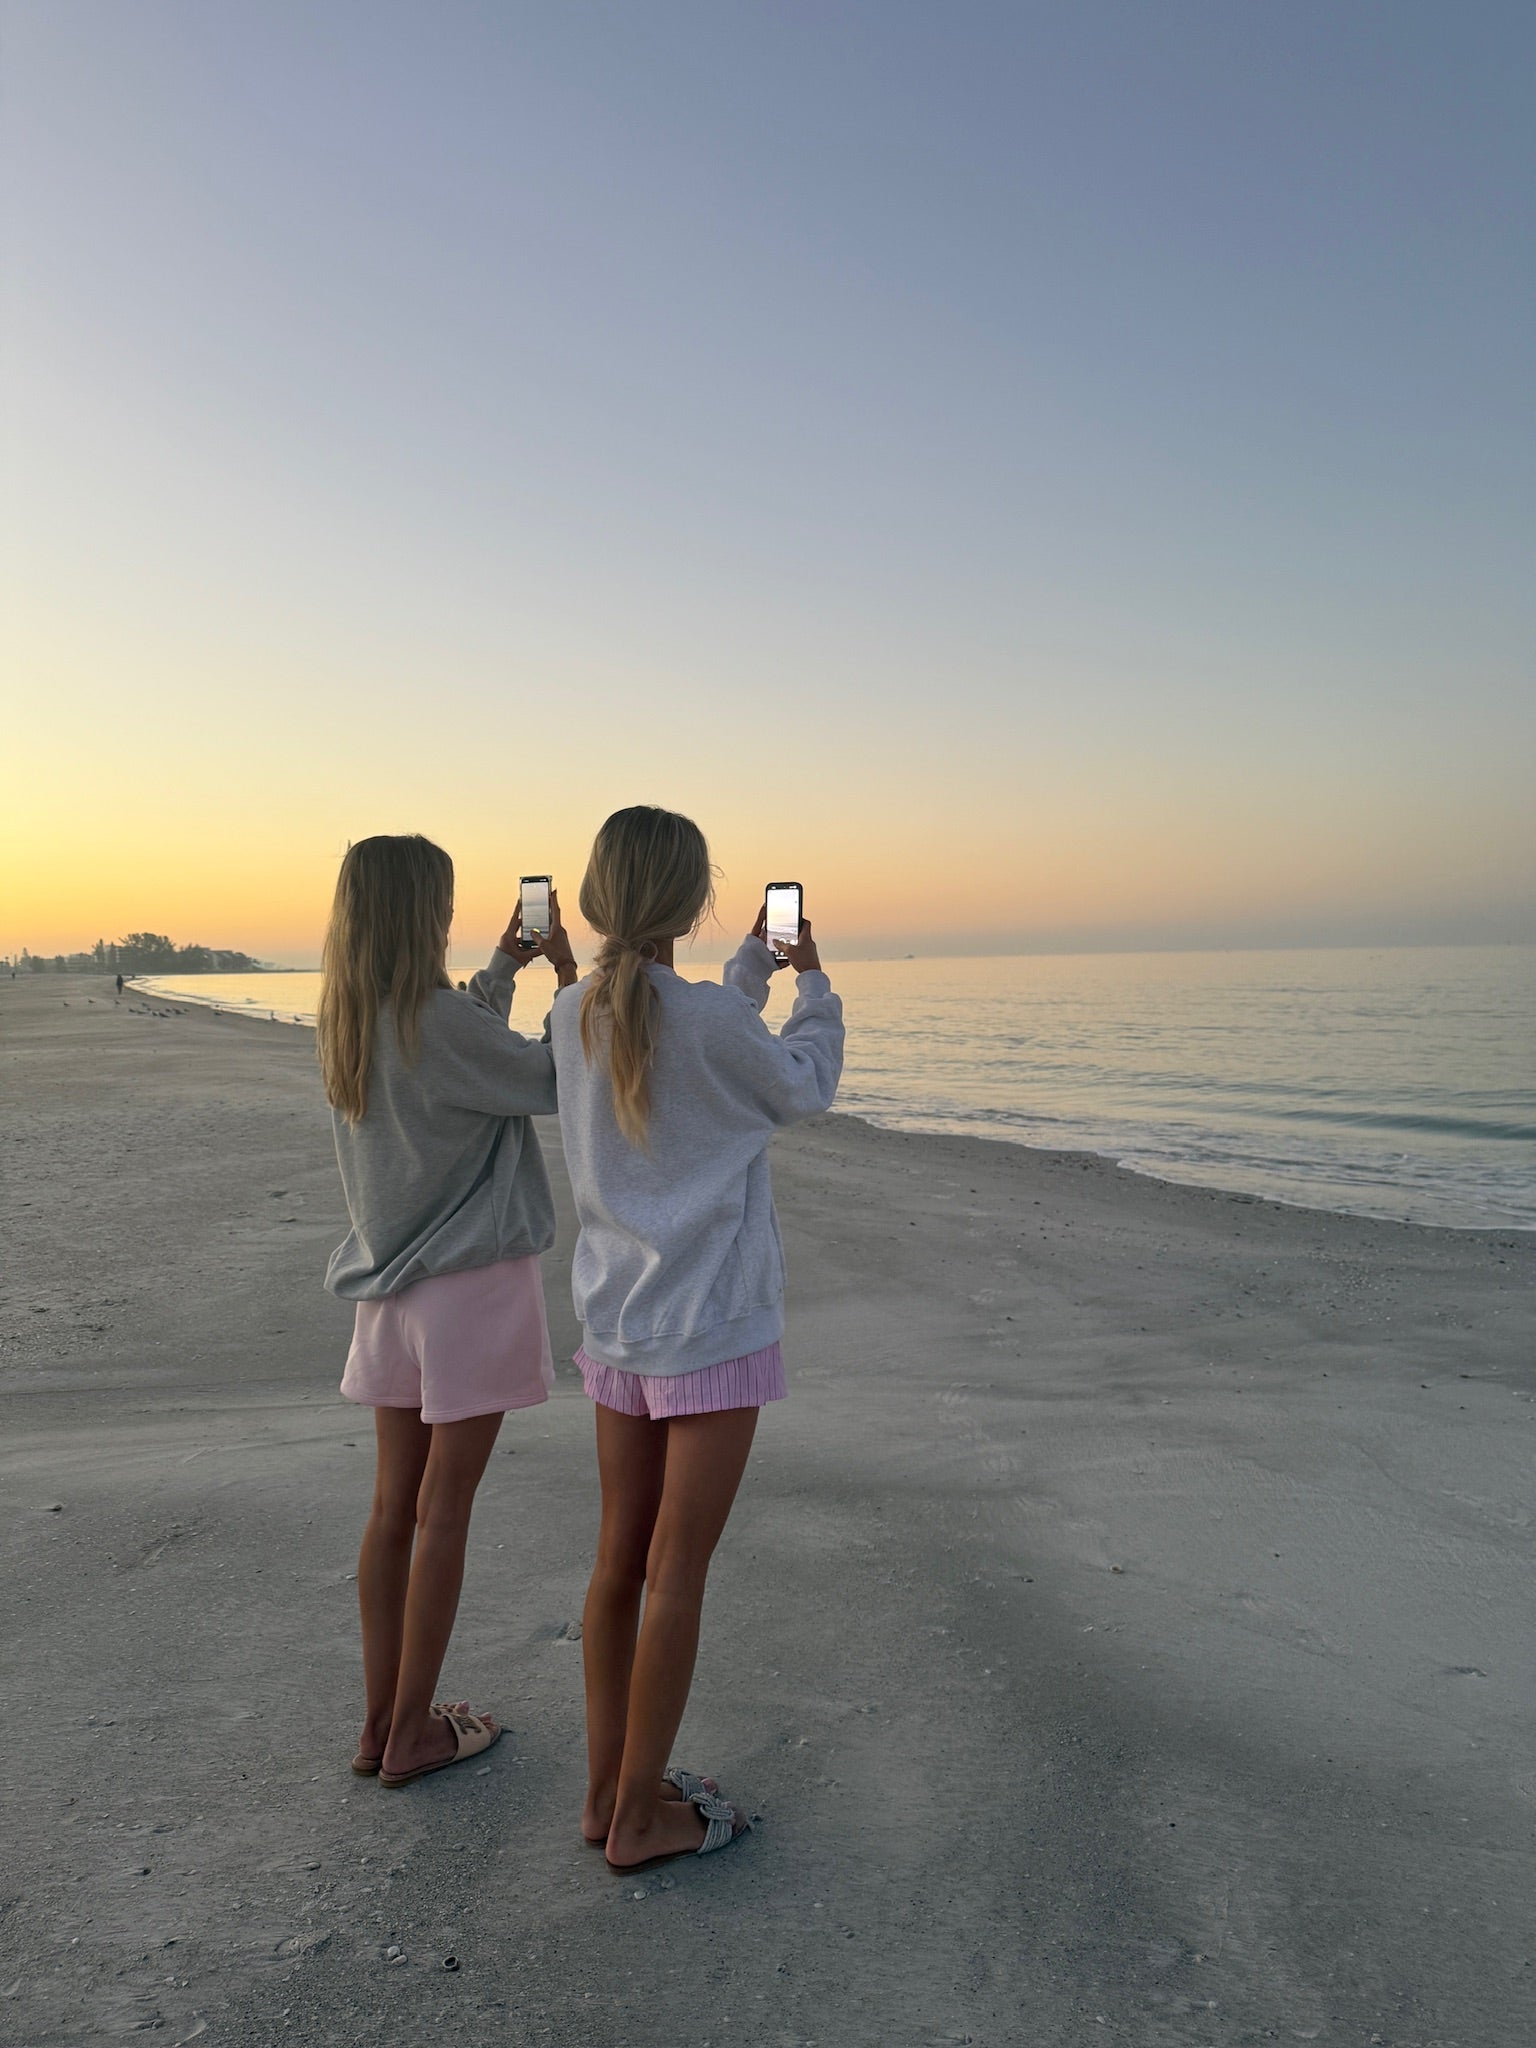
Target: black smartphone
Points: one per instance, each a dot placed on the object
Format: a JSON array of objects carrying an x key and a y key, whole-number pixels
[
  {"x": 534, "y": 909},
  {"x": 785, "y": 903}
]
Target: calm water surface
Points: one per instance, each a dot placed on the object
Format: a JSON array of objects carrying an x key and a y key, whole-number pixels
[{"x": 1399, "y": 1082}]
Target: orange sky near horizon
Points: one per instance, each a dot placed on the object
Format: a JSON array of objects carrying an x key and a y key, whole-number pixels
[
  {"x": 199, "y": 768},
  {"x": 900, "y": 857}
]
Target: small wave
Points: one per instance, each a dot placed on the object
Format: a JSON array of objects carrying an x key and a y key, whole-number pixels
[{"x": 1419, "y": 1123}]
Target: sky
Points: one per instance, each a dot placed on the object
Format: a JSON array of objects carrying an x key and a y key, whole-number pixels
[{"x": 1045, "y": 477}]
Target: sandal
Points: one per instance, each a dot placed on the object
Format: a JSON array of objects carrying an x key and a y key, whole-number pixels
[
  {"x": 689, "y": 1783},
  {"x": 369, "y": 1766},
  {"x": 472, "y": 1734},
  {"x": 723, "y": 1824}
]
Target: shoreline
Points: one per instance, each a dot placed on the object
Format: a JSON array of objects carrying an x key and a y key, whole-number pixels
[
  {"x": 1212, "y": 1188},
  {"x": 1117, "y": 1159},
  {"x": 147, "y": 985}
]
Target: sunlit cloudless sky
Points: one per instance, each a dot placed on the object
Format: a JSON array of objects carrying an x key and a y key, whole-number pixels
[{"x": 1042, "y": 475}]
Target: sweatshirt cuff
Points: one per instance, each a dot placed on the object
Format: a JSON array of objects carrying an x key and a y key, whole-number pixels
[
  {"x": 494, "y": 986},
  {"x": 814, "y": 982},
  {"x": 502, "y": 970},
  {"x": 749, "y": 971}
]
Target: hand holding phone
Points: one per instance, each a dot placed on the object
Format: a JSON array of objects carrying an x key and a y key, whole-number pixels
[
  {"x": 533, "y": 912},
  {"x": 536, "y": 928},
  {"x": 783, "y": 915},
  {"x": 783, "y": 928}
]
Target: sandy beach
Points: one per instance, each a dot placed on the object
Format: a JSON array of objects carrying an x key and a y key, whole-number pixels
[{"x": 1125, "y": 1632}]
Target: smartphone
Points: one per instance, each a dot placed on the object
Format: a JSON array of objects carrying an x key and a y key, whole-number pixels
[
  {"x": 534, "y": 909},
  {"x": 786, "y": 913}
]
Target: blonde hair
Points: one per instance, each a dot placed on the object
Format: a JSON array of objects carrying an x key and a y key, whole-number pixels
[
  {"x": 649, "y": 879},
  {"x": 387, "y": 941}
]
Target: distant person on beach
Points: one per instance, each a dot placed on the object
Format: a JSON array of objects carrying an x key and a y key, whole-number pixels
[
  {"x": 119, "y": 984},
  {"x": 670, "y": 1091},
  {"x": 430, "y": 1098}
]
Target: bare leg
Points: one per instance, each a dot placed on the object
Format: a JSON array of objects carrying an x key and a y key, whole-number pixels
[
  {"x": 631, "y": 1462},
  {"x": 384, "y": 1564},
  {"x": 706, "y": 1456},
  {"x": 454, "y": 1466}
]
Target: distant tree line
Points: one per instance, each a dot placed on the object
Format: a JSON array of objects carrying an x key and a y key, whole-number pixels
[{"x": 140, "y": 953}]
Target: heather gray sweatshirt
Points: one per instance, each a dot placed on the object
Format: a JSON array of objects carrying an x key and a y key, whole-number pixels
[
  {"x": 444, "y": 1171},
  {"x": 679, "y": 1263}
]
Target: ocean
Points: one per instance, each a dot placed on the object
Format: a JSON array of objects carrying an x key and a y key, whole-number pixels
[{"x": 1397, "y": 1082}]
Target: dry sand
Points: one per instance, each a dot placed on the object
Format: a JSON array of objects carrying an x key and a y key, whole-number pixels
[{"x": 1125, "y": 1630}]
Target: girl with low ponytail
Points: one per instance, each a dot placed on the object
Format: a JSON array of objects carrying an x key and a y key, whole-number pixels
[
  {"x": 670, "y": 1091},
  {"x": 648, "y": 882}
]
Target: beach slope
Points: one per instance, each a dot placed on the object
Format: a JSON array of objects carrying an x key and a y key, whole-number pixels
[{"x": 1125, "y": 1631}]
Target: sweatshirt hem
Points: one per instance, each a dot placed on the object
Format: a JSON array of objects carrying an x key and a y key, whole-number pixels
[
  {"x": 379, "y": 1286},
  {"x": 690, "y": 1351}
]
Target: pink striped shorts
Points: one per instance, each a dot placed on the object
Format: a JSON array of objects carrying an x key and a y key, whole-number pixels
[{"x": 746, "y": 1382}]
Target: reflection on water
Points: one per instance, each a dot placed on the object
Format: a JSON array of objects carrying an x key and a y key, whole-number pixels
[
  {"x": 1398, "y": 1082},
  {"x": 290, "y": 998}
]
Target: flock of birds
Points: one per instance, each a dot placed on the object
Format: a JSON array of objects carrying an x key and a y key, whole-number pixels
[{"x": 144, "y": 1010}]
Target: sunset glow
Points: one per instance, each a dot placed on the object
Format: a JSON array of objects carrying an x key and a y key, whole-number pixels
[{"x": 593, "y": 451}]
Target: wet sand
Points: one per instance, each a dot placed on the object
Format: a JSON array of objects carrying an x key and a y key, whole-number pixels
[{"x": 1125, "y": 1632}]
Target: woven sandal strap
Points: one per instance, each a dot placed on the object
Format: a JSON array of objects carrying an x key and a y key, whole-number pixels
[
  {"x": 689, "y": 1783},
  {"x": 719, "y": 1817}
]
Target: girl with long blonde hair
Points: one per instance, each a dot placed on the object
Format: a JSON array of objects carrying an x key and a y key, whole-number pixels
[
  {"x": 669, "y": 1093},
  {"x": 431, "y": 1096}
]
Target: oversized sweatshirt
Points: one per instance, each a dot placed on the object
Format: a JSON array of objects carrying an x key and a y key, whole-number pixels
[
  {"x": 444, "y": 1172},
  {"x": 679, "y": 1263}
]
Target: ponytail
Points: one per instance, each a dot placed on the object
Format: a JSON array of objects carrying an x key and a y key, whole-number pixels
[
  {"x": 649, "y": 879},
  {"x": 620, "y": 998}
]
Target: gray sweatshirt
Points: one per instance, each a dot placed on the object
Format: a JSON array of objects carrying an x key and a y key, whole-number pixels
[
  {"x": 679, "y": 1263},
  {"x": 444, "y": 1171}
]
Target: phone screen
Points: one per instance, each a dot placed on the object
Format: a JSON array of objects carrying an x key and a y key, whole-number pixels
[
  {"x": 783, "y": 915},
  {"x": 535, "y": 923}
]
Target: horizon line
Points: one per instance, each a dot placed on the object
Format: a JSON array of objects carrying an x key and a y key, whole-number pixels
[{"x": 709, "y": 957}]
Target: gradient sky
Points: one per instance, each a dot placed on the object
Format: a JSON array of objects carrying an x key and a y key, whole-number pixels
[{"x": 1060, "y": 473}]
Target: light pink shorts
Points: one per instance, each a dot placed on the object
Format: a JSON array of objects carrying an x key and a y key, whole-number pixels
[
  {"x": 459, "y": 1344},
  {"x": 746, "y": 1382}
]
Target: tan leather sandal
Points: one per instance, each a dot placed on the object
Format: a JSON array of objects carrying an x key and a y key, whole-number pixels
[
  {"x": 369, "y": 1766},
  {"x": 472, "y": 1734}
]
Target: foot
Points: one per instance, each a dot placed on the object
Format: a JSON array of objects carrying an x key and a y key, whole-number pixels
[
  {"x": 372, "y": 1743},
  {"x": 675, "y": 1827},
  {"x": 432, "y": 1742},
  {"x": 597, "y": 1814},
  {"x": 374, "y": 1740}
]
